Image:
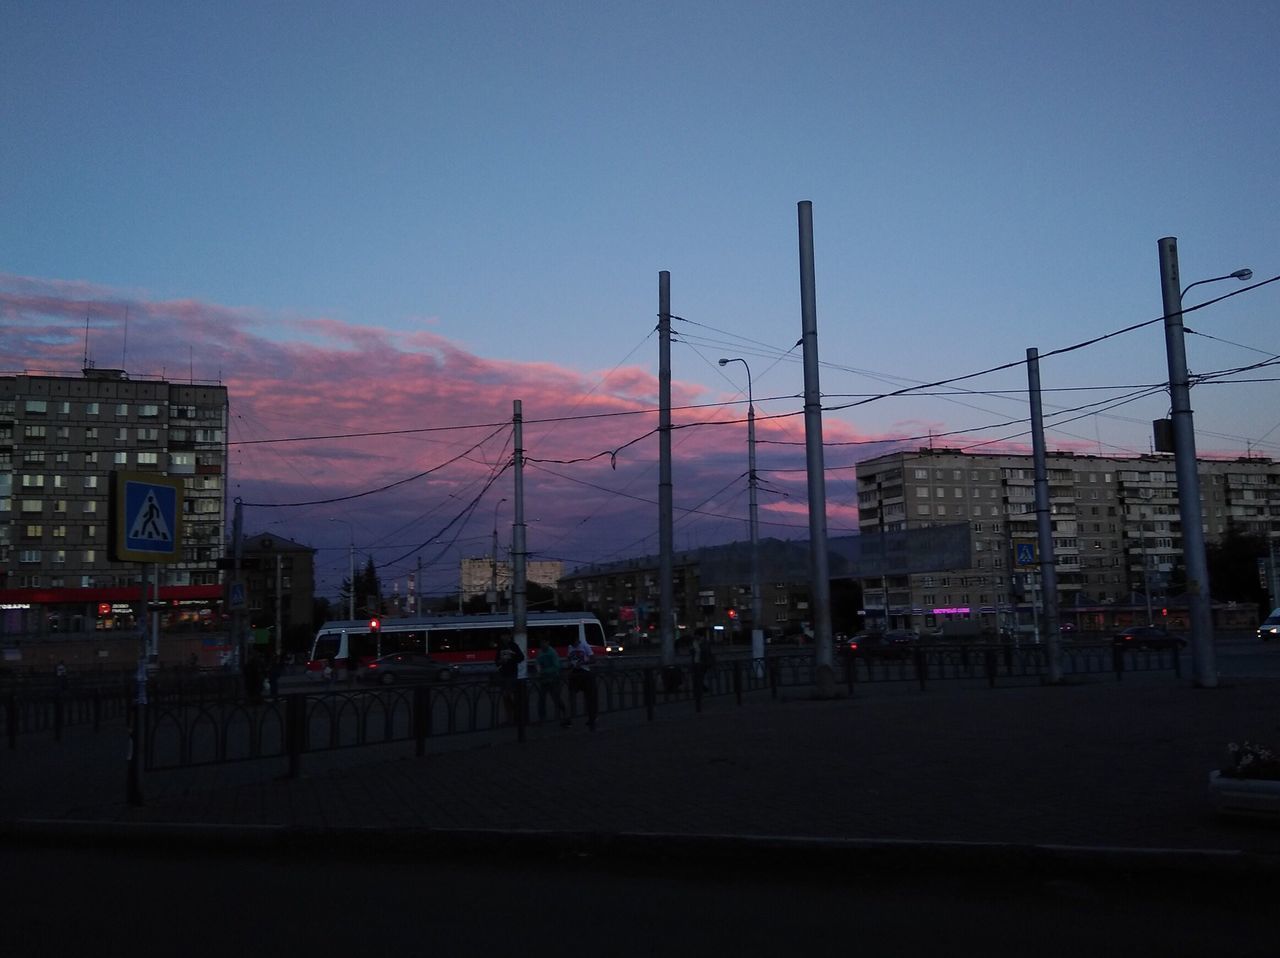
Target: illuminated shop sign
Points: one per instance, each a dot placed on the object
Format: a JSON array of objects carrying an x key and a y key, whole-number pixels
[
  {"x": 955, "y": 610},
  {"x": 10, "y": 606}
]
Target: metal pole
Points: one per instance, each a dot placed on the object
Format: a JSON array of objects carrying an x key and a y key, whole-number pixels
[
  {"x": 237, "y": 547},
  {"x": 417, "y": 589},
  {"x": 279, "y": 604},
  {"x": 1044, "y": 521},
  {"x": 494, "y": 604},
  {"x": 519, "y": 600},
  {"x": 666, "y": 534},
  {"x": 1204, "y": 669},
  {"x": 820, "y": 585},
  {"x": 757, "y": 605}
]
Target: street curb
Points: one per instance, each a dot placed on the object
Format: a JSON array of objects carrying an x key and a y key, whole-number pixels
[{"x": 772, "y": 854}]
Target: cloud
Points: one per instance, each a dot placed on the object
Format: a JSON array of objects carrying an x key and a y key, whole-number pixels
[{"x": 321, "y": 410}]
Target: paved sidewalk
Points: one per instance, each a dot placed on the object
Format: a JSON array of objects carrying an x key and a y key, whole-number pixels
[{"x": 1097, "y": 765}]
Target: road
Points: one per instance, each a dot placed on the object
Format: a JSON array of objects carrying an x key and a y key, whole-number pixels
[{"x": 148, "y": 902}]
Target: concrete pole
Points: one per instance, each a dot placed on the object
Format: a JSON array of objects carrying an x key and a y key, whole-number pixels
[
  {"x": 1203, "y": 666},
  {"x": 1044, "y": 521},
  {"x": 820, "y": 577},
  {"x": 666, "y": 534},
  {"x": 417, "y": 589},
  {"x": 757, "y": 602},
  {"x": 519, "y": 599}
]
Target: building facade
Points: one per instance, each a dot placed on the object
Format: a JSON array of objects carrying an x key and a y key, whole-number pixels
[
  {"x": 61, "y": 438},
  {"x": 280, "y": 585},
  {"x": 711, "y": 590},
  {"x": 1116, "y": 530},
  {"x": 479, "y": 574}
]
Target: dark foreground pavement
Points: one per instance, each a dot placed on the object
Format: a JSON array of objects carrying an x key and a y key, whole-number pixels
[{"x": 1045, "y": 819}]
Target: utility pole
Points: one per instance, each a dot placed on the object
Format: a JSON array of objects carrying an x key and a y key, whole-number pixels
[
  {"x": 820, "y": 584},
  {"x": 237, "y": 551},
  {"x": 666, "y": 535},
  {"x": 1044, "y": 521},
  {"x": 519, "y": 600},
  {"x": 279, "y": 603},
  {"x": 1203, "y": 665}
]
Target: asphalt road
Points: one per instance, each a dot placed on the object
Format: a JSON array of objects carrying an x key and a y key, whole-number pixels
[{"x": 83, "y": 900}]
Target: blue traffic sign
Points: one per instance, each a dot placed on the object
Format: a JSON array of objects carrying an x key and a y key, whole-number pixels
[
  {"x": 146, "y": 526},
  {"x": 1026, "y": 553}
]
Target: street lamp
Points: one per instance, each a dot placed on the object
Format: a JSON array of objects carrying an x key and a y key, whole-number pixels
[
  {"x": 351, "y": 561},
  {"x": 493, "y": 560},
  {"x": 1184, "y": 450},
  {"x": 757, "y": 612}
]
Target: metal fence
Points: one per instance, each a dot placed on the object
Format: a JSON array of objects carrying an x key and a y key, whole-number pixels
[{"x": 207, "y": 719}]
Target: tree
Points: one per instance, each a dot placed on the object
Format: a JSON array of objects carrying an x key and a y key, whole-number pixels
[
  {"x": 1233, "y": 566},
  {"x": 368, "y": 591}
]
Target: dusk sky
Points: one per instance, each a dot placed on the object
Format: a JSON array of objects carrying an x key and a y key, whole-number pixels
[{"x": 400, "y": 217}]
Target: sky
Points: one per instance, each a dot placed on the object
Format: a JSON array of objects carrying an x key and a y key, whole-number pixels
[{"x": 402, "y": 218}]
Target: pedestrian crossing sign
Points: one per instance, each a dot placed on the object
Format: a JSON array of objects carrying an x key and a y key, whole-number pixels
[
  {"x": 146, "y": 517},
  {"x": 1026, "y": 553}
]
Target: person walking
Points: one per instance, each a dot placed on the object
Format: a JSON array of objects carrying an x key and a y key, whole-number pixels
[
  {"x": 548, "y": 661},
  {"x": 508, "y": 659},
  {"x": 581, "y": 680}
]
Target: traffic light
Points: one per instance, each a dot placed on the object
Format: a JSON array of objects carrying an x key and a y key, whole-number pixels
[
  {"x": 374, "y": 625},
  {"x": 733, "y": 614}
]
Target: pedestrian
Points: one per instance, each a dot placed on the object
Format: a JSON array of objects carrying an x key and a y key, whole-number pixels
[
  {"x": 253, "y": 678},
  {"x": 549, "y": 679},
  {"x": 328, "y": 673},
  {"x": 508, "y": 659},
  {"x": 581, "y": 680},
  {"x": 273, "y": 676},
  {"x": 702, "y": 658}
]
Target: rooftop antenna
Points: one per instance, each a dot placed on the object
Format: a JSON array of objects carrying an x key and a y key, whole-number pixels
[
  {"x": 191, "y": 365},
  {"x": 124, "y": 350},
  {"x": 88, "y": 364}
]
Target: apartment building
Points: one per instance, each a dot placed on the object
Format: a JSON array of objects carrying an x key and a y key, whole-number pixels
[
  {"x": 61, "y": 438},
  {"x": 1116, "y": 529},
  {"x": 477, "y": 576}
]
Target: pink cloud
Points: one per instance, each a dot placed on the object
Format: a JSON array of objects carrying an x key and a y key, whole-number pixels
[{"x": 450, "y": 411}]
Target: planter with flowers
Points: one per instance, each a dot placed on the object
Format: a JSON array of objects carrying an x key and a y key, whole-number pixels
[{"x": 1248, "y": 782}]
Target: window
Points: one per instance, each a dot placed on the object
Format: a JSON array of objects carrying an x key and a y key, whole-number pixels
[
  {"x": 36, "y": 405},
  {"x": 59, "y": 532},
  {"x": 148, "y": 458},
  {"x": 59, "y": 556},
  {"x": 122, "y": 434},
  {"x": 90, "y": 555},
  {"x": 33, "y": 531},
  {"x": 33, "y": 482},
  {"x": 32, "y": 505},
  {"x": 91, "y": 409},
  {"x": 149, "y": 410},
  {"x": 62, "y": 458},
  {"x": 121, "y": 458},
  {"x": 122, "y": 409},
  {"x": 62, "y": 432},
  {"x": 59, "y": 505},
  {"x": 35, "y": 456},
  {"x": 90, "y": 482},
  {"x": 91, "y": 432},
  {"x": 29, "y": 555},
  {"x": 90, "y": 458},
  {"x": 33, "y": 432},
  {"x": 91, "y": 505}
]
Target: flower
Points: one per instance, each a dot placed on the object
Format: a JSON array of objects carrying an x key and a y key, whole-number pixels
[{"x": 1251, "y": 761}]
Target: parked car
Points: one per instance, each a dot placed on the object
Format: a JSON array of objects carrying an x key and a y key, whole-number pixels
[
  {"x": 1148, "y": 637},
  {"x": 615, "y": 646},
  {"x": 407, "y": 667}
]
